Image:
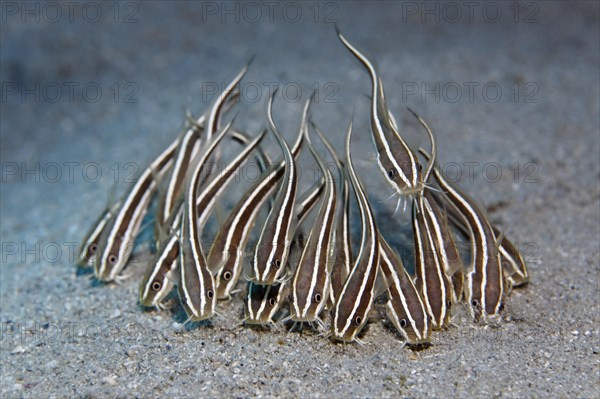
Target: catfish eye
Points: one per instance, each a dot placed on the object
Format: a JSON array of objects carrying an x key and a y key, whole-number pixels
[
  {"x": 475, "y": 303},
  {"x": 403, "y": 323},
  {"x": 92, "y": 248},
  {"x": 156, "y": 285},
  {"x": 391, "y": 174},
  {"x": 227, "y": 275},
  {"x": 272, "y": 302},
  {"x": 357, "y": 320},
  {"x": 112, "y": 259},
  {"x": 449, "y": 304},
  {"x": 277, "y": 263},
  {"x": 420, "y": 167},
  {"x": 317, "y": 298},
  {"x": 210, "y": 294}
]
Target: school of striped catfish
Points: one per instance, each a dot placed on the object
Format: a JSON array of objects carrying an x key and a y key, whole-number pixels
[{"x": 303, "y": 271}]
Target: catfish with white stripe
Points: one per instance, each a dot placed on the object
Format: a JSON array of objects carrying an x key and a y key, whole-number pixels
[
  {"x": 343, "y": 245},
  {"x": 216, "y": 111},
  {"x": 160, "y": 275},
  {"x": 514, "y": 266},
  {"x": 195, "y": 282},
  {"x": 352, "y": 307},
  {"x": 436, "y": 222},
  {"x": 311, "y": 281},
  {"x": 396, "y": 159},
  {"x": 273, "y": 246},
  {"x": 448, "y": 252},
  {"x": 304, "y": 204},
  {"x": 89, "y": 247},
  {"x": 118, "y": 237},
  {"x": 432, "y": 281},
  {"x": 262, "y": 302},
  {"x": 190, "y": 143},
  {"x": 484, "y": 283},
  {"x": 173, "y": 221},
  {"x": 436, "y": 275},
  {"x": 226, "y": 254},
  {"x": 157, "y": 281},
  {"x": 210, "y": 192},
  {"x": 404, "y": 307},
  {"x": 188, "y": 148}
]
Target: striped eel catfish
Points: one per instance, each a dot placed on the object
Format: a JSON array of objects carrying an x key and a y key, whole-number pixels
[
  {"x": 341, "y": 235},
  {"x": 431, "y": 263},
  {"x": 92, "y": 238},
  {"x": 304, "y": 205},
  {"x": 433, "y": 283},
  {"x": 158, "y": 279},
  {"x": 513, "y": 263},
  {"x": 196, "y": 283},
  {"x": 272, "y": 249},
  {"x": 210, "y": 192},
  {"x": 437, "y": 223},
  {"x": 118, "y": 236},
  {"x": 230, "y": 92},
  {"x": 262, "y": 302},
  {"x": 311, "y": 280},
  {"x": 306, "y": 202},
  {"x": 484, "y": 283},
  {"x": 190, "y": 144},
  {"x": 226, "y": 253},
  {"x": 404, "y": 307},
  {"x": 397, "y": 162},
  {"x": 174, "y": 220},
  {"x": 514, "y": 266},
  {"x": 355, "y": 301},
  {"x": 449, "y": 255}
]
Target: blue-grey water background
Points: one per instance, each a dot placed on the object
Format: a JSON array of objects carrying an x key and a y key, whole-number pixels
[{"x": 92, "y": 91}]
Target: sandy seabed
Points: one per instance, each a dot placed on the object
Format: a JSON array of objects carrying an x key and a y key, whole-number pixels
[{"x": 514, "y": 97}]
